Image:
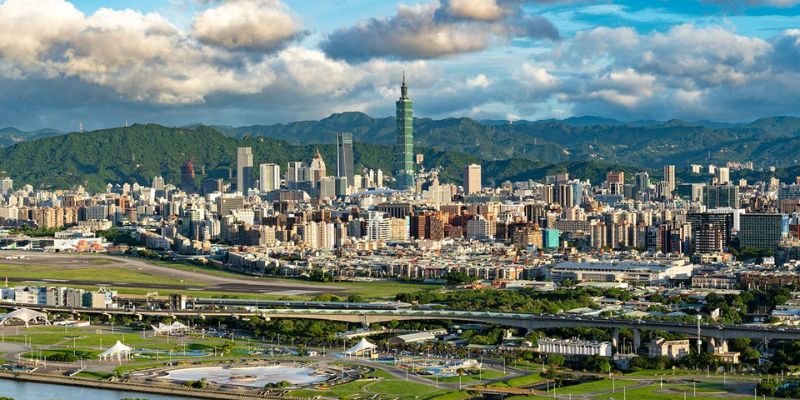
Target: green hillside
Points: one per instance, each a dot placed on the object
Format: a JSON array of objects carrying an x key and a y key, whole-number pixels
[
  {"x": 139, "y": 152},
  {"x": 645, "y": 143}
]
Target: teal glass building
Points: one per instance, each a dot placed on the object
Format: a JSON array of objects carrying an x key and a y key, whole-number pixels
[{"x": 404, "y": 147}]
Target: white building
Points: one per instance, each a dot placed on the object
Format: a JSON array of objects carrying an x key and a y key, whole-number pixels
[
  {"x": 574, "y": 347},
  {"x": 269, "y": 177},
  {"x": 650, "y": 273}
]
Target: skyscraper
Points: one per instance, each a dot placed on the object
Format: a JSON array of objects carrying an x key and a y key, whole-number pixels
[
  {"x": 404, "y": 148},
  {"x": 344, "y": 157},
  {"x": 244, "y": 169},
  {"x": 270, "y": 177},
  {"x": 472, "y": 179},
  {"x": 317, "y": 169},
  {"x": 669, "y": 178},
  {"x": 187, "y": 177}
]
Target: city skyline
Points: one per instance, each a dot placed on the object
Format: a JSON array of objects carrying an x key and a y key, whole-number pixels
[{"x": 494, "y": 59}]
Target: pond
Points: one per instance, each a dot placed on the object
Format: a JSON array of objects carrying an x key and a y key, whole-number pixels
[{"x": 249, "y": 376}]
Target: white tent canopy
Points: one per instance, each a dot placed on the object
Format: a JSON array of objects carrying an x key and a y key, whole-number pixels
[
  {"x": 118, "y": 350},
  {"x": 25, "y": 315},
  {"x": 361, "y": 348},
  {"x": 173, "y": 328}
]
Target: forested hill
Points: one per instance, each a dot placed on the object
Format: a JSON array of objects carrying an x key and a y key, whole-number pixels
[
  {"x": 139, "y": 152},
  {"x": 768, "y": 141}
]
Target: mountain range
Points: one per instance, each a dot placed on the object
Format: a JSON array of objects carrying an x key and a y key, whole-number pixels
[{"x": 585, "y": 146}]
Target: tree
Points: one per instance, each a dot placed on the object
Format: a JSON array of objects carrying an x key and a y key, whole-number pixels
[
  {"x": 555, "y": 360},
  {"x": 457, "y": 278}
]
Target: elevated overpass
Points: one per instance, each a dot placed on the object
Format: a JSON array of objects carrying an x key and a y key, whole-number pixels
[{"x": 518, "y": 320}]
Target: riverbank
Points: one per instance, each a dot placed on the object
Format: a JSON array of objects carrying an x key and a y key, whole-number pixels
[{"x": 136, "y": 387}]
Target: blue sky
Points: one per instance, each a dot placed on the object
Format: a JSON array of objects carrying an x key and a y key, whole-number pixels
[{"x": 241, "y": 62}]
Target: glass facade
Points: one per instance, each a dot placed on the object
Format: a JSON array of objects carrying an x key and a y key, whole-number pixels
[{"x": 404, "y": 148}]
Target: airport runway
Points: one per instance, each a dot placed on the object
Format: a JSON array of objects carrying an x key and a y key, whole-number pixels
[{"x": 196, "y": 280}]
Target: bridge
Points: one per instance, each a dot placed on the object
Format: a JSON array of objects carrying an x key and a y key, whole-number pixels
[{"x": 517, "y": 320}]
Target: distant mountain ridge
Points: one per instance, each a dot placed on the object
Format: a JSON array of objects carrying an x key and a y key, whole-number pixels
[
  {"x": 10, "y": 135},
  {"x": 507, "y": 150}
]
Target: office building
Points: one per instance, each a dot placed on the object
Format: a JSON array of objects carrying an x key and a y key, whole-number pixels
[
  {"x": 316, "y": 170},
  {"x": 187, "y": 177},
  {"x": 344, "y": 157},
  {"x": 722, "y": 221},
  {"x": 566, "y": 196},
  {"x": 669, "y": 179},
  {"x": 472, "y": 179},
  {"x": 762, "y": 231},
  {"x": 158, "y": 183},
  {"x": 726, "y": 196},
  {"x": 404, "y": 147},
  {"x": 244, "y": 169},
  {"x": 722, "y": 176},
  {"x": 269, "y": 177},
  {"x": 709, "y": 239},
  {"x": 641, "y": 182}
]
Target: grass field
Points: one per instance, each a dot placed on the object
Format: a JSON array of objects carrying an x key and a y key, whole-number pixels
[
  {"x": 92, "y": 272},
  {"x": 367, "y": 388},
  {"x": 520, "y": 381}
]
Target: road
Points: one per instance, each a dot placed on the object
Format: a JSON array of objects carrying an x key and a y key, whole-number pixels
[{"x": 197, "y": 280}]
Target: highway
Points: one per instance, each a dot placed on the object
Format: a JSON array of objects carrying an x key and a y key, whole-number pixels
[{"x": 519, "y": 320}]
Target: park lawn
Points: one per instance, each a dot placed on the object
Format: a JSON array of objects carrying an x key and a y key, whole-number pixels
[
  {"x": 91, "y": 273},
  {"x": 462, "y": 395},
  {"x": 341, "y": 391},
  {"x": 603, "y": 385},
  {"x": 520, "y": 381},
  {"x": 370, "y": 387},
  {"x": 403, "y": 389},
  {"x": 654, "y": 392},
  {"x": 100, "y": 376}
]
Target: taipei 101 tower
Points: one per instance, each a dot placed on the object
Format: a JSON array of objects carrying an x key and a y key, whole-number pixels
[{"x": 404, "y": 147}]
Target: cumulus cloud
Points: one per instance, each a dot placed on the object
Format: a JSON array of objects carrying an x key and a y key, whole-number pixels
[
  {"x": 435, "y": 30},
  {"x": 142, "y": 57},
  {"x": 252, "y": 25},
  {"x": 479, "y": 10}
]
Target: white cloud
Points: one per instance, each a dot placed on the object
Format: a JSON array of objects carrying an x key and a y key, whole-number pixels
[
  {"x": 253, "y": 25},
  {"x": 29, "y": 29},
  {"x": 434, "y": 30},
  {"x": 481, "y": 10}
]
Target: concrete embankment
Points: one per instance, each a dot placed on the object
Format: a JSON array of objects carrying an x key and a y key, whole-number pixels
[{"x": 138, "y": 387}]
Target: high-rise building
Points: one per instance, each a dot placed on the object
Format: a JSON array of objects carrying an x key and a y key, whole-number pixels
[
  {"x": 6, "y": 186},
  {"x": 244, "y": 169},
  {"x": 641, "y": 182},
  {"x": 270, "y": 177},
  {"x": 294, "y": 173},
  {"x": 669, "y": 179},
  {"x": 472, "y": 179},
  {"x": 317, "y": 169},
  {"x": 344, "y": 157},
  {"x": 158, "y": 183},
  {"x": 721, "y": 196},
  {"x": 187, "y": 177},
  {"x": 762, "y": 231},
  {"x": 404, "y": 147},
  {"x": 566, "y": 196},
  {"x": 723, "y": 176}
]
